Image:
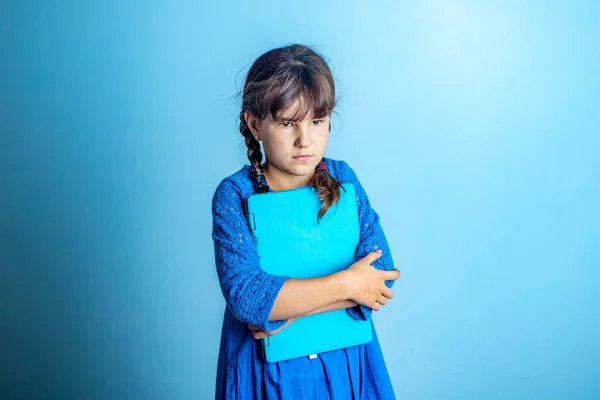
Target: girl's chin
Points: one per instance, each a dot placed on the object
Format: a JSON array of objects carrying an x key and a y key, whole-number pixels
[
  {"x": 303, "y": 169},
  {"x": 296, "y": 168}
]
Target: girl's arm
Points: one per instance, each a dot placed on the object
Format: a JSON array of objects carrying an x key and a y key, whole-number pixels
[
  {"x": 372, "y": 237},
  {"x": 361, "y": 283},
  {"x": 261, "y": 334},
  {"x": 300, "y": 297},
  {"x": 338, "y": 305},
  {"x": 249, "y": 291}
]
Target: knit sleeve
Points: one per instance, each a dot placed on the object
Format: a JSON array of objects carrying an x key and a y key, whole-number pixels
[
  {"x": 372, "y": 238},
  {"x": 249, "y": 291}
]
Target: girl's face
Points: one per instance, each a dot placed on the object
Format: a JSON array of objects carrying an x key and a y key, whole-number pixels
[{"x": 292, "y": 149}]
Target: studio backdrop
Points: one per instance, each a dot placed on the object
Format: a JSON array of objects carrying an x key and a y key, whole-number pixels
[{"x": 472, "y": 125}]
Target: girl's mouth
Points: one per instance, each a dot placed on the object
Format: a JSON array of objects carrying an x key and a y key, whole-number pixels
[{"x": 302, "y": 158}]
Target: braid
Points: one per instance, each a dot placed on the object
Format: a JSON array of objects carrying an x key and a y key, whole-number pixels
[
  {"x": 254, "y": 155},
  {"x": 328, "y": 188}
]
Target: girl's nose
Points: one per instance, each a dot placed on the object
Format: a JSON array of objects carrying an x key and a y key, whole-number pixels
[{"x": 303, "y": 139}]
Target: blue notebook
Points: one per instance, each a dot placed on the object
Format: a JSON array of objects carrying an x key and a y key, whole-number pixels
[{"x": 290, "y": 242}]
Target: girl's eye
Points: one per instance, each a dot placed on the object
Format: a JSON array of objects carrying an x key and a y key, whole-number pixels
[
  {"x": 285, "y": 124},
  {"x": 317, "y": 121}
]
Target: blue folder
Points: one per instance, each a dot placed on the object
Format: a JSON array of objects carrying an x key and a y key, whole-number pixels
[{"x": 291, "y": 242}]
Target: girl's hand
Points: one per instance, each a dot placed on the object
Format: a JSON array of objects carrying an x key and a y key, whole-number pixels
[
  {"x": 259, "y": 333},
  {"x": 367, "y": 283}
]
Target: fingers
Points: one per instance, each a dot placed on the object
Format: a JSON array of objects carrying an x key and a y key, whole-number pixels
[
  {"x": 259, "y": 334},
  {"x": 391, "y": 275},
  {"x": 382, "y": 300},
  {"x": 372, "y": 256},
  {"x": 376, "y": 307},
  {"x": 387, "y": 292}
]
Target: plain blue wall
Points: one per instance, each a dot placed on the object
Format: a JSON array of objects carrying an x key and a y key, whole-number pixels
[{"x": 474, "y": 127}]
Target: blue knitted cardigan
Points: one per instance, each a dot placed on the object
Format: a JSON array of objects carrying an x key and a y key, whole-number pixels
[{"x": 249, "y": 291}]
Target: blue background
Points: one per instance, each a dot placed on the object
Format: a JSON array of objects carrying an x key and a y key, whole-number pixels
[{"x": 474, "y": 127}]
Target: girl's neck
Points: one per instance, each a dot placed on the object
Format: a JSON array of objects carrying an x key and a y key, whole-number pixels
[{"x": 279, "y": 181}]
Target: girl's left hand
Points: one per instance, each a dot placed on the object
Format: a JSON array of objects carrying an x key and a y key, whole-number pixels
[{"x": 259, "y": 333}]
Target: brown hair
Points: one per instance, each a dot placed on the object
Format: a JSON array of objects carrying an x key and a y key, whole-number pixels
[{"x": 274, "y": 82}]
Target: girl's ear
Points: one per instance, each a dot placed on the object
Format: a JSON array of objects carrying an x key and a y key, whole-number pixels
[{"x": 252, "y": 123}]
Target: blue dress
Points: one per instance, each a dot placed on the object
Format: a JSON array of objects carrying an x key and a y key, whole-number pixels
[{"x": 353, "y": 373}]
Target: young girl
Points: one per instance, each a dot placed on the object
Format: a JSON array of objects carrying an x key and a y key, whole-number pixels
[{"x": 287, "y": 101}]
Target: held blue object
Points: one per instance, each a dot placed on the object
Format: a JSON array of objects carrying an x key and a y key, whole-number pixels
[{"x": 291, "y": 242}]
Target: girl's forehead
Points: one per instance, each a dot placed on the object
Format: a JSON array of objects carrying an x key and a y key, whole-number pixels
[{"x": 299, "y": 110}]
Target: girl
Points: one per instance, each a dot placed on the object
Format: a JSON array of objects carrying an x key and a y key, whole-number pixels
[{"x": 287, "y": 101}]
